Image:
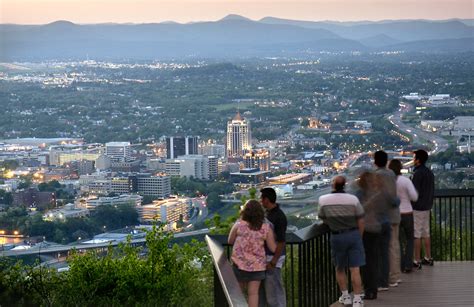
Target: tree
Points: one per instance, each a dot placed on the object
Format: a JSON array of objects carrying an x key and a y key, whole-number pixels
[
  {"x": 169, "y": 275},
  {"x": 6, "y": 197},
  {"x": 213, "y": 201}
]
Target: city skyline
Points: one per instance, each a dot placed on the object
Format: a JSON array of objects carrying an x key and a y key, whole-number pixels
[{"x": 183, "y": 11}]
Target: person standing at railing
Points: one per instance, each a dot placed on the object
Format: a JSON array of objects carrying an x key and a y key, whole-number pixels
[
  {"x": 272, "y": 290},
  {"x": 370, "y": 192},
  {"x": 406, "y": 192},
  {"x": 343, "y": 213},
  {"x": 423, "y": 180},
  {"x": 249, "y": 235},
  {"x": 389, "y": 251}
]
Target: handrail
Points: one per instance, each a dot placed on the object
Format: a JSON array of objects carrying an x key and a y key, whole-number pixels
[
  {"x": 454, "y": 192},
  {"x": 226, "y": 278},
  {"x": 309, "y": 278}
]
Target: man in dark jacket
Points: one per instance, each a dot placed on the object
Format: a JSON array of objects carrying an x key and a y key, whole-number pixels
[
  {"x": 272, "y": 287},
  {"x": 423, "y": 180}
]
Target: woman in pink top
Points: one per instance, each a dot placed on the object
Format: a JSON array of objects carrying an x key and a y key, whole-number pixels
[
  {"x": 406, "y": 192},
  {"x": 249, "y": 236}
]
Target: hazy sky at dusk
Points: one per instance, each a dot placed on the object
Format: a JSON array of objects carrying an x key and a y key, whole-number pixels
[{"x": 139, "y": 11}]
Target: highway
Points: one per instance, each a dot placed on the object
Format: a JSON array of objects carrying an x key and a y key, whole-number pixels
[
  {"x": 439, "y": 143},
  {"x": 58, "y": 249}
]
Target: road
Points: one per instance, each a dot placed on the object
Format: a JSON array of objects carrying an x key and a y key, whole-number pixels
[
  {"x": 439, "y": 143},
  {"x": 80, "y": 246}
]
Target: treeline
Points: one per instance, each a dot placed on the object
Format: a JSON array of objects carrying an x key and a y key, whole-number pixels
[
  {"x": 193, "y": 187},
  {"x": 454, "y": 157},
  {"x": 104, "y": 218},
  {"x": 169, "y": 275}
]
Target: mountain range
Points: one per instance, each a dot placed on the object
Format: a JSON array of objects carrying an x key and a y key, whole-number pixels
[{"x": 232, "y": 36}]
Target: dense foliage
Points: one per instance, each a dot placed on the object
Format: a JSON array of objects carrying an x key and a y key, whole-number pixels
[
  {"x": 193, "y": 187},
  {"x": 103, "y": 218},
  {"x": 166, "y": 276}
]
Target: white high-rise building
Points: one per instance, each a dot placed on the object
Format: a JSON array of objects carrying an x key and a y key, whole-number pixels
[
  {"x": 196, "y": 166},
  {"x": 239, "y": 139},
  {"x": 118, "y": 151}
]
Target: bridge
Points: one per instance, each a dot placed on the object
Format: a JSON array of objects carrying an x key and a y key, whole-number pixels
[
  {"x": 309, "y": 276},
  {"x": 65, "y": 249}
]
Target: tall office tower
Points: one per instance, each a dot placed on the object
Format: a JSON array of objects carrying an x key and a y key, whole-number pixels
[
  {"x": 118, "y": 151},
  {"x": 213, "y": 167},
  {"x": 181, "y": 146},
  {"x": 239, "y": 139}
]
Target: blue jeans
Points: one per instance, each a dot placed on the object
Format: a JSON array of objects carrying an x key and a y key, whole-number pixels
[
  {"x": 384, "y": 268},
  {"x": 272, "y": 291}
]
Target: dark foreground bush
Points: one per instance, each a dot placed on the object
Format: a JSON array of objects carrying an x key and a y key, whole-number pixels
[{"x": 165, "y": 276}]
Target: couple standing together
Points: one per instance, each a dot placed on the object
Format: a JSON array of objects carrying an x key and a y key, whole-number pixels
[{"x": 258, "y": 239}]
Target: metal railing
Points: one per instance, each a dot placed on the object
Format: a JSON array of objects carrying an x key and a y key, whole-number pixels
[
  {"x": 451, "y": 225},
  {"x": 308, "y": 272}
]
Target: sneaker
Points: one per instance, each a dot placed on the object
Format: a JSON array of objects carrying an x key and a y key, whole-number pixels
[
  {"x": 358, "y": 303},
  {"x": 417, "y": 264},
  {"x": 380, "y": 289},
  {"x": 395, "y": 284},
  {"x": 399, "y": 281},
  {"x": 345, "y": 300},
  {"x": 429, "y": 262}
]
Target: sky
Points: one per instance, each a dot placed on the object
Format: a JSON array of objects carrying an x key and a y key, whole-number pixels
[{"x": 143, "y": 11}]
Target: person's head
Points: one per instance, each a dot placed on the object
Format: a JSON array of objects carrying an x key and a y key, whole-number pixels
[
  {"x": 338, "y": 183},
  {"x": 380, "y": 158},
  {"x": 420, "y": 157},
  {"x": 396, "y": 166},
  {"x": 253, "y": 214},
  {"x": 268, "y": 197}
]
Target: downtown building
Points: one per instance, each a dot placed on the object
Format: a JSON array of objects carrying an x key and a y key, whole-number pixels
[
  {"x": 143, "y": 184},
  {"x": 259, "y": 159},
  {"x": 239, "y": 139},
  {"x": 181, "y": 146},
  {"x": 168, "y": 211},
  {"x": 195, "y": 166},
  {"x": 118, "y": 151}
]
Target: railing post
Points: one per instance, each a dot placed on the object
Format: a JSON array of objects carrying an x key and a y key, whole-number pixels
[{"x": 219, "y": 295}]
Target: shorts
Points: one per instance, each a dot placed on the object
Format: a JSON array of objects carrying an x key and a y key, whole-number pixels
[
  {"x": 246, "y": 276},
  {"x": 421, "y": 220},
  {"x": 347, "y": 249}
]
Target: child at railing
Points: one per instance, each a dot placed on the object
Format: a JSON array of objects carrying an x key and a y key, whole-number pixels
[{"x": 249, "y": 236}]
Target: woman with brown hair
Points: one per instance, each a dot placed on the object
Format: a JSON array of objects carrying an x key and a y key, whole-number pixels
[
  {"x": 407, "y": 193},
  {"x": 249, "y": 236}
]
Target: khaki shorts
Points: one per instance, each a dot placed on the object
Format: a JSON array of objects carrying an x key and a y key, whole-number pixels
[{"x": 421, "y": 221}]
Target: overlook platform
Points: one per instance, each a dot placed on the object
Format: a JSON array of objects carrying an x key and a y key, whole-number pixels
[
  {"x": 444, "y": 284},
  {"x": 309, "y": 278}
]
